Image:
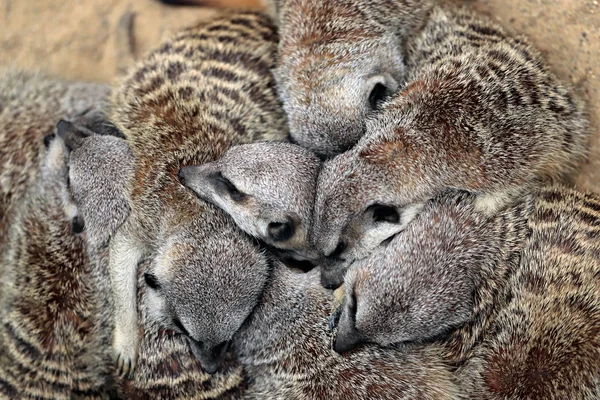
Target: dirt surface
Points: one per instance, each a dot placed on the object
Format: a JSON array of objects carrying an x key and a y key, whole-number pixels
[{"x": 81, "y": 39}]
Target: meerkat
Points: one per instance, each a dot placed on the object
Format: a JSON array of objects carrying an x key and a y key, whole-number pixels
[
  {"x": 55, "y": 313},
  {"x": 337, "y": 61},
  {"x": 513, "y": 300},
  {"x": 31, "y": 104},
  {"x": 285, "y": 343},
  {"x": 198, "y": 93},
  {"x": 99, "y": 172},
  {"x": 481, "y": 113},
  {"x": 268, "y": 189}
]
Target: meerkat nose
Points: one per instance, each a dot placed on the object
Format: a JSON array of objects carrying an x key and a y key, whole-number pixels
[{"x": 181, "y": 175}]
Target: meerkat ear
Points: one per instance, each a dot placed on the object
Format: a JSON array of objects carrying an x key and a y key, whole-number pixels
[{"x": 72, "y": 135}]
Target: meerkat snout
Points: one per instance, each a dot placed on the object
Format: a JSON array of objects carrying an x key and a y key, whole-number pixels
[{"x": 209, "y": 357}]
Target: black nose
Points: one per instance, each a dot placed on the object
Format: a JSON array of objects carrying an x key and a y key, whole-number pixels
[
  {"x": 347, "y": 341},
  {"x": 181, "y": 176},
  {"x": 77, "y": 224},
  {"x": 281, "y": 231},
  {"x": 331, "y": 279}
]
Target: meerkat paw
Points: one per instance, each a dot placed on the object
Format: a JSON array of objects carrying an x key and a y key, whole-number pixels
[
  {"x": 490, "y": 203},
  {"x": 125, "y": 352},
  {"x": 336, "y": 306}
]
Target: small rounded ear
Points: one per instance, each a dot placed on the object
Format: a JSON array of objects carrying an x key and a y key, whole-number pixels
[
  {"x": 71, "y": 135},
  {"x": 379, "y": 88}
]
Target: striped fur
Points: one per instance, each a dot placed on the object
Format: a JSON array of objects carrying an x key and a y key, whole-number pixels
[
  {"x": 52, "y": 333},
  {"x": 530, "y": 282},
  {"x": 197, "y": 94},
  {"x": 544, "y": 342},
  {"x": 481, "y": 113},
  {"x": 30, "y": 106},
  {"x": 54, "y": 299}
]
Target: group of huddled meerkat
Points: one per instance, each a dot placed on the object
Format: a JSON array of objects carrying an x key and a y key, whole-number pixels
[{"x": 145, "y": 226}]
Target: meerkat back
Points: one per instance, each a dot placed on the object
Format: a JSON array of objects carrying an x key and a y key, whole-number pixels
[
  {"x": 544, "y": 342},
  {"x": 30, "y": 106},
  {"x": 197, "y": 94},
  {"x": 55, "y": 299}
]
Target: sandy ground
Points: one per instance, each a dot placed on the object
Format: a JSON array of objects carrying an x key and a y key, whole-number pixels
[{"x": 78, "y": 39}]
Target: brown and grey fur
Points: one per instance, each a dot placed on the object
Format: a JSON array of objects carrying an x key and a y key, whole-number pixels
[
  {"x": 99, "y": 170},
  {"x": 30, "y": 106},
  {"x": 481, "y": 113},
  {"x": 268, "y": 189},
  {"x": 337, "y": 60},
  {"x": 529, "y": 278},
  {"x": 201, "y": 91},
  {"x": 56, "y": 297},
  {"x": 55, "y": 317},
  {"x": 285, "y": 344}
]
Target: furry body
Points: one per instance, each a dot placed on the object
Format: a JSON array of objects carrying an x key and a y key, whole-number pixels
[{"x": 203, "y": 90}]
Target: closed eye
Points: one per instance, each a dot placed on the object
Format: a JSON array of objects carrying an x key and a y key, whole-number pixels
[
  {"x": 180, "y": 326},
  {"x": 224, "y": 185}
]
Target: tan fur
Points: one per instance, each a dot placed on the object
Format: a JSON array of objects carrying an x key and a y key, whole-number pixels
[
  {"x": 516, "y": 296},
  {"x": 481, "y": 113},
  {"x": 201, "y": 91}
]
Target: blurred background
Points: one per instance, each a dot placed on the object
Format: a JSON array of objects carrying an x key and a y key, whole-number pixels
[{"x": 88, "y": 39}]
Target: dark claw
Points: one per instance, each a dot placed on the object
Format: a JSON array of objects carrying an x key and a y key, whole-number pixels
[
  {"x": 48, "y": 139},
  {"x": 334, "y": 319}
]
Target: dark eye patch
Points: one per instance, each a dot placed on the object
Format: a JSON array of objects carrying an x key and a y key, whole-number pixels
[
  {"x": 339, "y": 249},
  {"x": 151, "y": 281},
  {"x": 48, "y": 139},
  {"x": 224, "y": 185}
]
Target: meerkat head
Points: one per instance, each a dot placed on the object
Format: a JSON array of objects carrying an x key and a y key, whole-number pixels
[
  {"x": 422, "y": 284},
  {"x": 338, "y": 62},
  {"x": 370, "y": 193},
  {"x": 268, "y": 189},
  {"x": 206, "y": 279},
  {"x": 357, "y": 209},
  {"x": 99, "y": 168}
]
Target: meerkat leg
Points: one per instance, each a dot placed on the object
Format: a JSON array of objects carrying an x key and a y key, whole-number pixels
[{"x": 125, "y": 254}]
